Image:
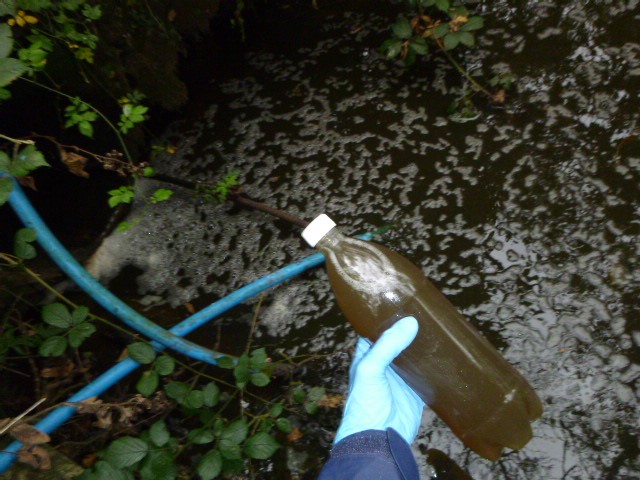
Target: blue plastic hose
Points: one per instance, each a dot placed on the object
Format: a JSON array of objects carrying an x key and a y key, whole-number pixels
[
  {"x": 163, "y": 338},
  {"x": 90, "y": 285}
]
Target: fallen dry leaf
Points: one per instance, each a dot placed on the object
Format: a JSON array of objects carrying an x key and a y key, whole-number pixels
[
  {"x": 295, "y": 435},
  {"x": 190, "y": 308},
  {"x": 500, "y": 96},
  {"x": 61, "y": 371},
  {"x": 89, "y": 460},
  {"x": 28, "y": 434},
  {"x": 90, "y": 405},
  {"x": 75, "y": 163},
  {"x": 37, "y": 457},
  {"x": 28, "y": 182},
  {"x": 331, "y": 401}
]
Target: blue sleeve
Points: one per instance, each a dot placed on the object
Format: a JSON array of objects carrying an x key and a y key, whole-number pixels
[{"x": 371, "y": 455}]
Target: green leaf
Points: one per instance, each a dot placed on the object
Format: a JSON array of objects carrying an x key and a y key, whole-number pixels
[
  {"x": 230, "y": 450},
  {"x": 226, "y": 362},
  {"x": 442, "y": 5},
  {"x": 441, "y": 30},
  {"x": 467, "y": 39},
  {"x": 164, "y": 365},
  {"x": 126, "y": 451},
  {"x": 27, "y": 160},
  {"x": 86, "y": 128},
  {"x": 474, "y": 23},
  {"x": 10, "y": 69},
  {"x": 79, "y": 314},
  {"x": 178, "y": 391},
  {"x": 402, "y": 28},
  {"x": 391, "y": 47},
  {"x": 105, "y": 471},
  {"x": 261, "y": 446},
  {"x": 311, "y": 408},
  {"x": 161, "y": 194},
  {"x": 53, "y": 346},
  {"x": 141, "y": 352},
  {"x": 57, "y": 315},
  {"x": 4, "y": 162},
  {"x": 148, "y": 172},
  {"x": 260, "y": 379},
  {"x": 21, "y": 243},
  {"x": 6, "y": 187},
  {"x": 315, "y": 394},
  {"x": 419, "y": 45},
  {"x": 283, "y": 424},
  {"x": 241, "y": 372},
  {"x": 451, "y": 40},
  {"x": 159, "y": 433},
  {"x": 299, "y": 395},
  {"x": 210, "y": 465},
  {"x": 6, "y": 40},
  {"x": 158, "y": 465},
  {"x": 258, "y": 358},
  {"x": 194, "y": 399},
  {"x": 148, "y": 383},
  {"x": 276, "y": 410},
  {"x": 235, "y": 432},
  {"x": 80, "y": 333},
  {"x": 201, "y": 436},
  {"x": 8, "y": 7},
  {"x": 211, "y": 394}
]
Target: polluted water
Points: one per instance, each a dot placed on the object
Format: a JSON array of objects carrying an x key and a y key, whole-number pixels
[{"x": 527, "y": 218}]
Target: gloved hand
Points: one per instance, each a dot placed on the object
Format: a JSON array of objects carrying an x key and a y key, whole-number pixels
[{"x": 378, "y": 398}]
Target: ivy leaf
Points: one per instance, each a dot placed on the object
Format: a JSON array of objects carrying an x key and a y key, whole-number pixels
[
  {"x": 22, "y": 243},
  {"x": 159, "y": 433},
  {"x": 210, "y": 465},
  {"x": 161, "y": 194},
  {"x": 141, "y": 352},
  {"x": 10, "y": 69},
  {"x": 261, "y": 446},
  {"x": 86, "y": 128},
  {"x": 80, "y": 333},
  {"x": 6, "y": 187},
  {"x": 148, "y": 383},
  {"x": 4, "y": 162},
  {"x": 157, "y": 465},
  {"x": 258, "y": 358},
  {"x": 276, "y": 410},
  {"x": 53, "y": 346},
  {"x": 57, "y": 315},
  {"x": 474, "y": 23},
  {"x": 164, "y": 365},
  {"x": 402, "y": 28},
  {"x": 230, "y": 450},
  {"x": 126, "y": 451},
  {"x": 311, "y": 408}
]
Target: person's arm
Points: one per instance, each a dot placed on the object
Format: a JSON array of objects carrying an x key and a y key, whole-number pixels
[{"x": 382, "y": 414}]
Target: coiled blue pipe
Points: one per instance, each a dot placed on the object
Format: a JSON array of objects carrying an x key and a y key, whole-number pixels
[{"x": 105, "y": 381}]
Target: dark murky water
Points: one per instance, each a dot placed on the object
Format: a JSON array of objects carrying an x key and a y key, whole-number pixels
[{"x": 524, "y": 217}]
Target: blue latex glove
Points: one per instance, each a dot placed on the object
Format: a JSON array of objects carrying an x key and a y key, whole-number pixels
[{"x": 378, "y": 398}]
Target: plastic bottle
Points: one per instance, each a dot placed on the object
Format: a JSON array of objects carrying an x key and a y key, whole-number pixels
[{"x": 456, "y": 371}]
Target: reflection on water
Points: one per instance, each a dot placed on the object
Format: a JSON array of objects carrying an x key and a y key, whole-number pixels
[{"x": 524, "y": 218}]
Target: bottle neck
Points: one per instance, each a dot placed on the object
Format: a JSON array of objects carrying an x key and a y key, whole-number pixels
[{"x": 330, "y": 240}]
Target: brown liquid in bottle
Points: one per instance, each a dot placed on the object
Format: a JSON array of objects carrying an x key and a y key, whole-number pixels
[{"x": 454, "y": 369}]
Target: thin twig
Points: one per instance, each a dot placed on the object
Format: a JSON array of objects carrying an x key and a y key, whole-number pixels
[
  {"x": 22, "y": 415},
  {"x": 253, "y": 323}
]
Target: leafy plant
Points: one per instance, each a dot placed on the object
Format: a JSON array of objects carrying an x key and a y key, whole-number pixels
[
  {"x": 82, "y": 114},
  {"x": 21, "y": 164},
  {"x": 68, "y": 329},
  {"x": 219, "y": 192}
]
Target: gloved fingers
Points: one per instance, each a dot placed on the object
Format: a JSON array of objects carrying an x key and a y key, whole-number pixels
[{"x": 388, "y": 347}]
